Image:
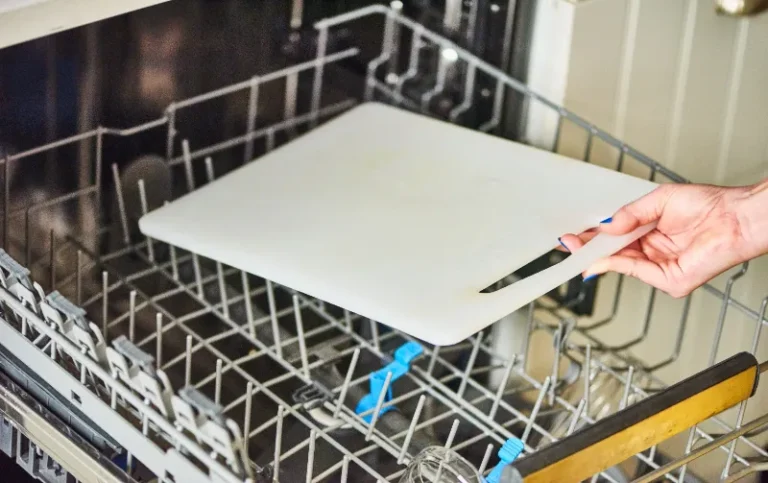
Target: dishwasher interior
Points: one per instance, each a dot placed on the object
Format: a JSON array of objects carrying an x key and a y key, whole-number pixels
[{"x": 161, "y": 365}]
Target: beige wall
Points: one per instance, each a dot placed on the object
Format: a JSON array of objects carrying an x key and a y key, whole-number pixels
[{"x": 690, "y": 89}]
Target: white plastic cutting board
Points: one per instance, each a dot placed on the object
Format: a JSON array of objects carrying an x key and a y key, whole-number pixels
[{"x": 403, "y": 219}]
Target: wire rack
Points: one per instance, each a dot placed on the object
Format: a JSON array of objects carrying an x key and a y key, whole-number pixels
[{"x": 205, "y": 373}]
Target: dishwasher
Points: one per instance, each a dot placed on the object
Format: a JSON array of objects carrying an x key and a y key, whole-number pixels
[{"x": 125, "y": 359}]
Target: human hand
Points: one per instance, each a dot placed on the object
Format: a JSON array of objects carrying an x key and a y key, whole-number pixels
[{"x": 702, "y": 231}]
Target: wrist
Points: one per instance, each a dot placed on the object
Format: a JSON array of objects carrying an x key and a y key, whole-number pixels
[{"x": 752, "y": 213}]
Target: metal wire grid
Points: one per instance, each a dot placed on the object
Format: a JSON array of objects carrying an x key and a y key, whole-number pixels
[{"x": 251, "y": 354}]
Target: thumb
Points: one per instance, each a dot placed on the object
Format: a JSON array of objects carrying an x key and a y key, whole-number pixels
[{"x": 639, "y": 212}]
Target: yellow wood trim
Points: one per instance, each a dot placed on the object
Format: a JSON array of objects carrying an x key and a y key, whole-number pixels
[{"x": 653, "y": 430}]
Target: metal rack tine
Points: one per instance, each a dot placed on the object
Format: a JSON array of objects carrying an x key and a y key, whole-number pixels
[
  {"x": 198, "y": 276},
  {"x": 586, "y": 371},
  {"x": 688, "y": 447},
  {"x": 121, "y": 203},
  {"x": 273, "y": 319},
  {"x": 248, "y": 303},
  {"x": 558, "y": 342},
  {"x": 448, "y": 444},
  {"x": 678, "y": 340},
  {"x": 209, "y": 169},
  {"x": 347, "y": 380},
  {"x": 379, "y": 403},
  {"x": 104, "y": 301},
  {"x": 144, "y": 210},
  {"x": 529, "y": 327},
  {"x": 374, "y": 334},
  {"x": 344, "y": 469},
  {"x": 311, "y": 454},
  {"x": 190, "y": 178},
  {"x": 383, "y": 56},
  {"x": 646, "y": 326},
  {"x": 217, "y": 387},
  {"x": 247, "y": 416},
  {"x": 53, "y": 260},
  {"x": 535, "y": 411},
  {"x": 502, "y": 387},
  {"x": 413, "y": 65},
  {"x": 486, "y": 459},
  {"x": 174, "y": 258},
  {"x": 290, "y": 100},
  {"x": 219, "y": 268},
  {"x": 444, "y": 61},
  {"x": 759, "y": 324},
  {"x": 576, "y": 416},
  {"x": 627, "y": 387},
  {"x": 253, "y": 100},
  {"x": 614, "y": 307},
  {"x": 300, "y": 336},
  {"x": 132, "y": 316},
  {"x": 187, "y": 156},
  {"x": 723, "y": 310},
  {"x": 743, "y": 404},
  {"x": 270, "y": 139},
  {"x": 79, "y": 278},
  {"x": 278, "y": 443},
  {"x": 188, "y": 362},
  {"x": 497, "y": 102},
  {"x": 452, "y": 434},
  {"x": 433, "y": 359},
  {"x": 411, "y": 429},
  {"x": 159, "y": 339},
  {"x": 322, "y": 43},
  {"x": 469, "y": 86},
  {"x": 222, "y": 289},
  {"x": 470, "y": 364},
  {"x": 6, "y": 199}
]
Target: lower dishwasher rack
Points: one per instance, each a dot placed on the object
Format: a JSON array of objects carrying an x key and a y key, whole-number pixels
[{"x": 124, "y": 359}]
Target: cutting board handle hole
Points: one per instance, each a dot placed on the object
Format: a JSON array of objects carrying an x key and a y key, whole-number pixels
[{"x": 545, "y": 261}]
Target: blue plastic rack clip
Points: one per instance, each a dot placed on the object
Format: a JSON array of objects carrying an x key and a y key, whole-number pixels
[
  {"x": 508, "y": 453},
  {"x": 404, "y": 355}
]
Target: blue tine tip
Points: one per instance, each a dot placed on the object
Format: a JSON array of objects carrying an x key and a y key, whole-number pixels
[{"x": 508, "y": 453}]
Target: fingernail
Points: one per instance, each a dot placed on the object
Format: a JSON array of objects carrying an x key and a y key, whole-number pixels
[
  {"x": 590, "y": 277},
  {"x": 563, "y": 245},
  {"x": 607, "y": 220}
]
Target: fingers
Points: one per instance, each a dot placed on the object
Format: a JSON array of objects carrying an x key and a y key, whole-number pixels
[
  {"x": 632, "y": 263},
  {"x": 571, "y": 243},
  {"x": 640, "y": 212}
]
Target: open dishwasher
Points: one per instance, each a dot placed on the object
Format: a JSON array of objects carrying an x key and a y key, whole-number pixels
[{"x": 124, "y": 359}]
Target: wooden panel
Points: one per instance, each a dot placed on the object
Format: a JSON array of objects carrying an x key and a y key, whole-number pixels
[{"x": 642, "y": 425}]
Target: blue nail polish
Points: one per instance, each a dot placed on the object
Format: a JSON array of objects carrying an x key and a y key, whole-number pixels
[
  {"x": 607, "y": 220},
  {"x": 590, "y": 277},
  {"x": 563, "y": 245}
]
